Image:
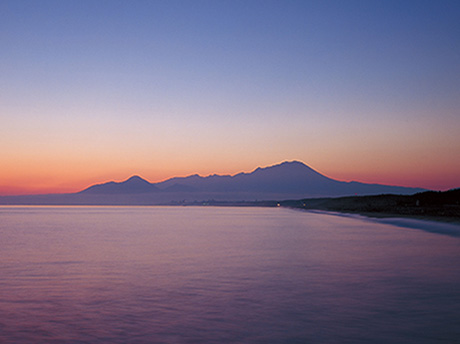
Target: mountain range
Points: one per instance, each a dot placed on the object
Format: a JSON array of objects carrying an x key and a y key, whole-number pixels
[{"x": 287, "y": 180}]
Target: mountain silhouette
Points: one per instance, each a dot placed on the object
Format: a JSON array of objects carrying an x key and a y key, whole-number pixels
[
  {"x": 284, "y": 181},
  {"x": 133, "y": 185},
  {"x": 286, "y": 177}
]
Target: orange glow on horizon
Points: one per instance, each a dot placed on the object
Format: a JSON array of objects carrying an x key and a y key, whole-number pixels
[{"x": 59, "y": 182}]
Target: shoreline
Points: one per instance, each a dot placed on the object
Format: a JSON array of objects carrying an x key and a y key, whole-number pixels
[
  {"x": 431, "y": 224},
  {"x": 443, "y": 207},
  {"x": 445, "y": 225},
  {"x": 381, "y": 215}
]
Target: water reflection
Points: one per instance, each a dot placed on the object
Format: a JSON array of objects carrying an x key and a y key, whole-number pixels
[{"x": 189, "y": 275}]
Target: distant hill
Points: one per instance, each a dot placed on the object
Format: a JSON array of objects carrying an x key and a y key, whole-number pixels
[
  {"x": 287, "y": 180},
  {"x": 442, "y": 205},
  {"x": 132, "y": 185}
]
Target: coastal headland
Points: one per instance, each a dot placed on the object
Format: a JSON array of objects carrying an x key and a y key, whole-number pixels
[{"x": 430, "y": 205}]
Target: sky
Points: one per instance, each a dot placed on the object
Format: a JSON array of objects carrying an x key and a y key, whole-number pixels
[{"x": 92, "y": 91}]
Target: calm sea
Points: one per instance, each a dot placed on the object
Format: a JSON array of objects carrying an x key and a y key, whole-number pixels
[{"x": 222, "y": 275}]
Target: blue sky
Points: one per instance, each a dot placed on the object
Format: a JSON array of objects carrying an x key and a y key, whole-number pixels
[{"x": 359, "y": 90}]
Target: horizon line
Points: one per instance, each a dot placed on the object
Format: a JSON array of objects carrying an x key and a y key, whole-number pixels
[{"x": 211, "y": 175}]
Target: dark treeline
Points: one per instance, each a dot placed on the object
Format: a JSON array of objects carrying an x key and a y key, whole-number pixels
[
  {"x": 442, "y": 204},
  {"x": 429, "y": 203}
]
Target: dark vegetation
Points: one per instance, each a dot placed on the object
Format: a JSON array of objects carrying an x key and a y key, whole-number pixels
[
  {"x": 443, "y": 205},
  {"x": 430, "y": 204}
]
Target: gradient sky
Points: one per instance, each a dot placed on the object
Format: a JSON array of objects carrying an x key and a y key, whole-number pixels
[{"x": 92, "y": 91}]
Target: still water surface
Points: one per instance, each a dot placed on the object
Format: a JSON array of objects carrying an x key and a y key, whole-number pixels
[{"x": 222, "y": 275}]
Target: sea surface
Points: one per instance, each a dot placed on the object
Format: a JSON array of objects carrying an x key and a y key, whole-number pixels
[{"x": 223, "y": 275}]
